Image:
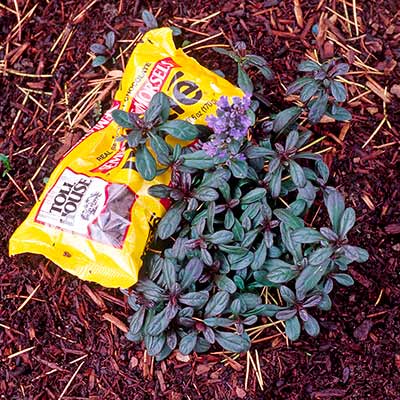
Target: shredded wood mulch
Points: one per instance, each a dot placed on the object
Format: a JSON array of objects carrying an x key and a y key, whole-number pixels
[{"x": 61, "y": 338}]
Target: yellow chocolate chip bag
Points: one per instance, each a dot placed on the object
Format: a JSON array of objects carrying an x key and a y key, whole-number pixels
[{"x": 95, "y": 218}]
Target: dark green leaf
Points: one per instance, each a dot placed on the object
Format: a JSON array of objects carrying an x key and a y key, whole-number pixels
[
  {"x": 198, "y": 159},
  {"x": 225, "y": 283},
  {"x": 267, "y": 72},
  {"x": 233, "y": 342},
  {"x": 343, "y": 279},
  {"x": 159, "y": 323},
  {"x": 194, "y": 299},
  {"x": 236, "y": 305},
  {"x": 307, "y": 235},
  {"x": 229, "y": 219},
  {"x": 259, "y": 256},
  {"x": 320, "y": 255},
  {"x": 311, "y": 326},
  {"x": 298, "y": 85},
  {"x": 307, "y": 193},
  {"x": 233, "y": 249},
  {"x": 122, "y": 119},
  {"x": 154, "y": 344},
  {"x": 275, "y": 183},
  {"x": 249, "y": 300},
  {"x": 240, "y": 261},
  {"x": 98, "y": 48},
  {"x": 307, "y": 156},
  {"x": 134, "y": 138},
  {"x": 323, "y": 170},
  {"x": 308, "y": 66},
  {"x": 276, "y": 263},
  {"x": 355, "y": 253},
  {"x": 339, "y": 69},
  {"x": 338, "y": 91},
  {"x": 137, "y": 320},
  {"x": 253, "y": 196},
  {"x": 286, "y": 216},
  {"x": 281, "y": 275},
  {"x": 244, "y": 81},
  {"x": 286, "y": 118},
  {"x": 215, "y": 322},
  {"x": 261, "y": 277},
  {"x": 238, "y": 168},
  {"x": 192, "y": 272},
  {"x": 335, "y": 206},
  {"x": 179, "y": 129},
  {"x": 293, "y": 247},
  {"x": 308, "y": 279},
  {"x": 309, "y": 91},
  {"x": 228, "y": 53},
  {"x": 188, "y": 343},
  {"x": 205, "y": 193},
  {"x": 297, "y": 207},
  {"x": 318, "y": 109},
  {"x": 164, "y": 353},
  {"x": 255, "y": 60},
  {"x": 158, "y": 107},
  {"x": 341, "y": 114},
  {"x": 249, "y": 238},
  {"x": 291, "y": 139},
  {"x": 265, "y": 310},
  {"x": 4, "y": 160},
  {"x": 159, "y": 191},
  {"x": 347, "y": 222},
  {"x": 220, "y": 237},
  {"x": 149, "y": 19},
  {"x": 297, "y": 174},
  {"x": 99, "y": 60},
  {"x": 170, "y": 221},
  {"x": 145, "y": 163},
  {"x": 110, "y": 39},
  {"x": 202, "y": 346},
  {"x": 259, "y": 152},
  {"x": 216, "y": 178},
  {"x": 287, "y": 294},
  {"x": 284, "y": 315},
  {"x": 292, "y": 328},
  {"x": 169, "y": 273},
  {"x": 217, "y": 304},
  {"x": 206, "y": 257}
]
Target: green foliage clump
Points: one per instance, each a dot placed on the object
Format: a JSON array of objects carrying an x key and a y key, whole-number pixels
[{"x": 239, "y": 218}]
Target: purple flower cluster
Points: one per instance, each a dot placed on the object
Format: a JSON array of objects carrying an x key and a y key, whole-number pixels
[{"x": 230, "y": 124}]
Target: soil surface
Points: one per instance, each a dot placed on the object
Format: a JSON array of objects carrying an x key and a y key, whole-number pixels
[{"x": 70, "y": 332}]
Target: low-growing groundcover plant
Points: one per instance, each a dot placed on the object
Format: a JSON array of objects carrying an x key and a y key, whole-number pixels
[{"x": 240, "y": 197}]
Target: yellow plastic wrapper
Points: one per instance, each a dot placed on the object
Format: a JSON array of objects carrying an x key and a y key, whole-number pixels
[{"x": 95, "y": 218}]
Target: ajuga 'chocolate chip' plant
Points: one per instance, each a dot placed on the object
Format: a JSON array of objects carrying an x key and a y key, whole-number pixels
[
  {"x": 238, "y": 222},
  {"x": 104, "y": 52}
]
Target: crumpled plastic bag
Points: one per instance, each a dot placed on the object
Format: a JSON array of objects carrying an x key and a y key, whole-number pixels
[{"x": 95, "y": 218}]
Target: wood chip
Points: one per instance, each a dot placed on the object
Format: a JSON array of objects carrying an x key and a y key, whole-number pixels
[
  {"x": 115, "y": 321},
  {"x": 392, "y": 229}
]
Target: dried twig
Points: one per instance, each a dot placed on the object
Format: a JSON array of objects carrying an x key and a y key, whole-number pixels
[{"x": 70, "y": 381}]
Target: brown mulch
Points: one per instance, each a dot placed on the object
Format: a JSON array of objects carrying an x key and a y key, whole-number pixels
[{"x": 70, "y": 333}]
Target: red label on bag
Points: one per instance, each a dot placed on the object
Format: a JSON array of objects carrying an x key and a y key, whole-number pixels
[{"x": 152, "y": 85}]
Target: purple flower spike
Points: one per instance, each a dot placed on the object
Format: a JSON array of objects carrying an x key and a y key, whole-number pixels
[{"x": 230, "y": 123}]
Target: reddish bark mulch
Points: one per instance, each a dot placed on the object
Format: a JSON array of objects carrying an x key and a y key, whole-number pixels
[{"x": 67, "y": 322}]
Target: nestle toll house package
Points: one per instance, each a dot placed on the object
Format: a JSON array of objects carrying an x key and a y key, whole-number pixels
[{"x": 95, "y": 217}]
